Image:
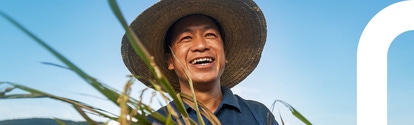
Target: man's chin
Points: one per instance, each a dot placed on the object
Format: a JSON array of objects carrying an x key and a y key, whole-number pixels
[{"x": 203, "y": 83}]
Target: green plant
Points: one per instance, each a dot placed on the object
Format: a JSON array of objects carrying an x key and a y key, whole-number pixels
[{"x": 133, "y": 111}]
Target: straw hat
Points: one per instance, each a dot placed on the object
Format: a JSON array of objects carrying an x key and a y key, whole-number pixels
[{"x": 242, "y": 22}]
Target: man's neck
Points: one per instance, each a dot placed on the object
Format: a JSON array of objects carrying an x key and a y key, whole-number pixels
[{"x": 210, "y": 98}]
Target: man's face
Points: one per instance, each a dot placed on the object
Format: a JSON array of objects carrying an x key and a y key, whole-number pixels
[{"x": 198, "y": 47}]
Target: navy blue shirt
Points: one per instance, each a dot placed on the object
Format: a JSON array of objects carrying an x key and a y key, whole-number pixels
[{"x": 234, "y": 110}]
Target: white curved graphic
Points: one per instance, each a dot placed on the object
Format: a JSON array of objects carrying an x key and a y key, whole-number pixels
[{"x": 372, "y": 52}]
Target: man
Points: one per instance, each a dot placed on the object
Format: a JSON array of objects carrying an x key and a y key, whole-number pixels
[{"x": 217, "y": 42}]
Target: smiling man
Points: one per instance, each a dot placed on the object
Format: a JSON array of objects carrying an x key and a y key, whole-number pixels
[
  {"x": 217, "y": 42},
  {"x": 198, "y": 48}
]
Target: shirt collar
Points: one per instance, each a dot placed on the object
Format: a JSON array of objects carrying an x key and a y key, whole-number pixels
[{"x": 229, "y": 99}]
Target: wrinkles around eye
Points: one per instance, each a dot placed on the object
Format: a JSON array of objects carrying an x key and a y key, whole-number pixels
[
  {"x": 186, "y": 38},
  {"x": 211, "y": 35}
]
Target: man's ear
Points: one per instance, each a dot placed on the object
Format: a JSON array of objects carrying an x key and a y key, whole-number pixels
[{"x": 169, "y": 61}]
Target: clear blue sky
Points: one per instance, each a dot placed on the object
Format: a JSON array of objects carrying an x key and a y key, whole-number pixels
[{"x": 309, "y": 59}]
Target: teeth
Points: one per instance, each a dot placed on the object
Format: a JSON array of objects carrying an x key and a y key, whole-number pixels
[{"x": 201, "y": 60}]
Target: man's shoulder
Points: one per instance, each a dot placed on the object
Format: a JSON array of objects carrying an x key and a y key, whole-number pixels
[
  {"x": 163, "y": 109},
  {"x": 251, "y": 103},
  {"x": 261, "y": 113}
]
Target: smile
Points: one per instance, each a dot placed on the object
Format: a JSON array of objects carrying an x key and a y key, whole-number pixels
[{"x": 202, "y": 60}]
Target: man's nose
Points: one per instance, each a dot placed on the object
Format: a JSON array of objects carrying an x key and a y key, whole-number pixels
[{"x": 200, "y": 44}]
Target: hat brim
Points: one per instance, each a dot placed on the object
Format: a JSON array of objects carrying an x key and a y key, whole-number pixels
[{"x": 242, "y": 21}]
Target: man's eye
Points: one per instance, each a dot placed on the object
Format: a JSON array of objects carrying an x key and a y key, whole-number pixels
[
  {"x": 210, "y": 35},
  {"x": 186, "y": 38}
]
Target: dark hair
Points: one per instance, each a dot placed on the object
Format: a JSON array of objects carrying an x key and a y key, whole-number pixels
[{"x": 168, "y": 36}]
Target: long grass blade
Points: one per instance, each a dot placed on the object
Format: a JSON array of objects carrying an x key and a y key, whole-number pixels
[
  {"x": 86, "y": 117},
  {"x": 293, "y": 111},
  {"x": 108, "y": 92},
  {"x": 145, "y": 56},
  {"x": 190, "y": 82},
  {"x": 19, "y": 96},
  {"x": 60, "y": 122},
  {"x": 39, "y": 93},
  {"x": 169, "y": 120},
  {"x": 53, "y": 64},
  {"x": 102, "y": 88}
]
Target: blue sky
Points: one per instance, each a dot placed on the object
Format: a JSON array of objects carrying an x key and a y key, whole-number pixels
[{"x": 309, "y": 59}]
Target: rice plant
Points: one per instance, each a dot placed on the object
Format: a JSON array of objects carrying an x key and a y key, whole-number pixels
[{"x": 132, "y": 111}]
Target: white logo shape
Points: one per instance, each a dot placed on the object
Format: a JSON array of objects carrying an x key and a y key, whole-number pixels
[{"x": 372, "y": 52}]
